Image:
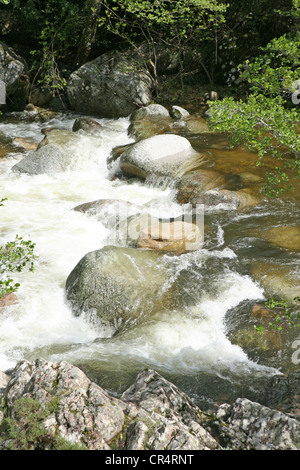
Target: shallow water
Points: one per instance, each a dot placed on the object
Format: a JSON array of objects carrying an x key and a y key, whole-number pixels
[{"x": 196, "y": 344}]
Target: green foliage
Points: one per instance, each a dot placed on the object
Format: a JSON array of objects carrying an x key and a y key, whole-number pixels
[
  {"x": 14, "y": 257},
  {"x": 266, "y": 127},
  {"x": 282, "y": 314},
  {"x": 266, "y": 120},
  {"x": 173, "y": 24},
  {"x": 26, "y": 429}
]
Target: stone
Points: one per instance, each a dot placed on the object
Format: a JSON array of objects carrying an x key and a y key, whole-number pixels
[
  {"x": 151, "y": 110},
  {"x": 118, "y": 286},
  {"x": 113, "y": 85},
  {"x": 25, "y": 144},
  {"x": 191, "y": 186},
  {"x": 177, "y": 112},
  {"x": 148, "y": 121},
  {"x": 13, "y": 69},
  {"x": 54, "y": 154},
  {"x": 152, "y": 414},
  {"x": 252, "y": 426},
  {"x": 87, "y": 125},
  {"x": 286, "y": 237},
  {"x": 177, "y": 237},
  {"x": 278, "y": 279},
  {"x": 165, "y": 155},
  {"x": 7, "y": 300},
  {"x": 48, "y": 159},
  {"x": 241, "y": 199},
  {"x": 85, "y": 414}
]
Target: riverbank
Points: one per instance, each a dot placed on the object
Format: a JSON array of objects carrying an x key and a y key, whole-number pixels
[{"x": 72, "y": 412}]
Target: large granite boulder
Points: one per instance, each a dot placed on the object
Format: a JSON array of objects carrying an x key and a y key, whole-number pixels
[
  {"x": 13, "y": 73},
  {"x": 161, "y": 156},
  {"x": 111, "y": 86},
  {"x": 118, "y": 286}
]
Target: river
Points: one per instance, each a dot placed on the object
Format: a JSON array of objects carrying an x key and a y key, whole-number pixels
[{"x": 197, "y": 345}]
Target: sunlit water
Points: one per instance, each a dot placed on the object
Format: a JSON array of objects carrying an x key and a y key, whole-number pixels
[{"x": 187, "y": 344}]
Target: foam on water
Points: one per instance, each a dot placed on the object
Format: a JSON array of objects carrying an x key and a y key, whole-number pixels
[{"x": 40, "y": 207}]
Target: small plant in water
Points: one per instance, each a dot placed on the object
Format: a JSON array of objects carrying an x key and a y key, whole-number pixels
[{"x": 282, "y": 312}]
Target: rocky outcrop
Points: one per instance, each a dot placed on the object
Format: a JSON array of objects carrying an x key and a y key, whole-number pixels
[
  {"x": 119, "y": 286},
  {"x": 152, "y": 414},
  {"x": 112, "y": 86},
  {"x": 247, "y": 425}
]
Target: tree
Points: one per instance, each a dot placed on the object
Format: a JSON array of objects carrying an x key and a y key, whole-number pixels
[
  {"x": 170, "y": 24},
  {"x": 93, "y": 8}
]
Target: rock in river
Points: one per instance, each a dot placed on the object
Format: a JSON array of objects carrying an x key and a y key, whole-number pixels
[
  {"x": 165, "y": 155},
  {"x": 177, "y": 237},
  {"x": 122, "y": 286}
]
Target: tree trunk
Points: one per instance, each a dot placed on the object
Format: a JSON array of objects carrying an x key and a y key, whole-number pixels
[{"x": 88, "y": 35}]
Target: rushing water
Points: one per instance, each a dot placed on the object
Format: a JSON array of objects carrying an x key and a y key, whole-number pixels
[{"x": 195, "y": 345}]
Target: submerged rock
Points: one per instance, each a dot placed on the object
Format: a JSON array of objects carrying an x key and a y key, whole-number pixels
[
  {"x": 286, "y": 237},
  {"x": 191, "y": 186},
  {"x": 165, "y": 155},
  {"x": 241, "y": 199},
  {"x": 8, "y": 300},
  {"x": 120, "y": 286}
]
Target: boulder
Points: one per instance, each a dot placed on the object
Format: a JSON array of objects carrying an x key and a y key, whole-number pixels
[
  {"x": 165, "y": 155},
  {"x": 151, "y": 120},
  {"x": 241, "y": 199},
  {"x": 177, "y": 112},
  {"x": 118, "y": 286},
  {"x": 151, "y": 110},
  {"x": 278, "y": 279},
  {"x": 111, "y": 86},
  {"x": 48, "y": 159},
  {"x": 7, "y": 300},
  {"x": 247, "y": 425},
  {"x": 13, "y": 72},
  {"x": 87, "y": 125},
  {"x": 191, "y": 186},
  {"x": 72, "y": 412},
  {"x": 177, "y": 237},
  {"x": 56, "y": 153}
]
